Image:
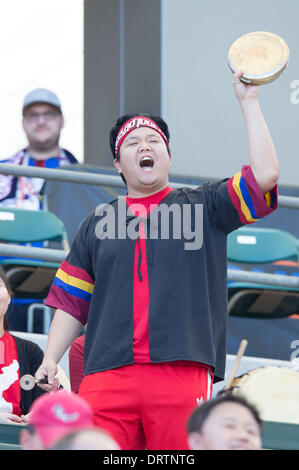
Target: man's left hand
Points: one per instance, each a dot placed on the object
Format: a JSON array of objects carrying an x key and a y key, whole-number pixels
[{"x": 242, "y": 90}]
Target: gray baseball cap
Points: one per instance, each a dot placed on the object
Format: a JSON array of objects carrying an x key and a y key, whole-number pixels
[{"x": 41, "y": 95}]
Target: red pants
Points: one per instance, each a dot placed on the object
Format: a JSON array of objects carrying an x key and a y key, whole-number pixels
[{"x": 146, "y": 406}]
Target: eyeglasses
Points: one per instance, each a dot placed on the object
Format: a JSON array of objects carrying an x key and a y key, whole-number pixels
[{"x": 48, "y": 116}]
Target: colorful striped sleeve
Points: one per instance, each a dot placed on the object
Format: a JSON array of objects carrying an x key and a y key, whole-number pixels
[
  {"x": 247, "y": 198},
  {"x": 71, "y": 291},
  {"x": 73, "y": 285}
]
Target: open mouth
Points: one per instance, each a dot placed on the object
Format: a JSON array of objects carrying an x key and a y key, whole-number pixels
[{"x": 146, "y": 162}]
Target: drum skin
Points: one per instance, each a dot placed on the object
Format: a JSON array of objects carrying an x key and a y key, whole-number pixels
[
  {"x": 273, "y": 390},
  {"x": 261, "y": 55}
]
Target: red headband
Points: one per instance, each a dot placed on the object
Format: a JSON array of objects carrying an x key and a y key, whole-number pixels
[{"x": 135, "y": 123}]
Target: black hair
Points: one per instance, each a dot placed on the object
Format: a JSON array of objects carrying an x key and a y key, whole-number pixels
[
  {"x": 121, "y": 121},
  {"x": 200, "y": 414},
  {"x": 4, "y": 278}
]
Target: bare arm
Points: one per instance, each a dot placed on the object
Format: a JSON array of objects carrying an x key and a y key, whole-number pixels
[
  {"x": 262, "y": 154},
  {"x": 64, "y": 330}
]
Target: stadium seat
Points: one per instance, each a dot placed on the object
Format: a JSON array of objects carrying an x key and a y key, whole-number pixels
[
  {"x": 262, "y": 250},
  {"x": 31, "y": 278},
  {"x": 26, "y": 226}
]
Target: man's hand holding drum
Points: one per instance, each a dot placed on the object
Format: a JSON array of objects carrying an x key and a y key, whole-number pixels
[{"x": 244, "y": 91}]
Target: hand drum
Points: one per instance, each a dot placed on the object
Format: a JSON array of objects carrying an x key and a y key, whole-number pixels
[{"x": 262, "y": 56}]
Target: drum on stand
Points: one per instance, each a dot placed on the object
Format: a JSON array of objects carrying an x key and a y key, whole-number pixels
[{"x": 273, "y": 390}]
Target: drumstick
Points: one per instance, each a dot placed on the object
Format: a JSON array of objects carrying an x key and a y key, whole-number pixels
[{"x": 233, "y": 371}]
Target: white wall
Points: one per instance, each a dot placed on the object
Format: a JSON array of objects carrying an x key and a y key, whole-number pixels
[
  {"x": 208, "y": 136},
  {"x": 41, "y": 45}
]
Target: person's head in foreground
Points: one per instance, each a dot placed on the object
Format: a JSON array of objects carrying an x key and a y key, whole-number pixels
[
  {"x": 86, "y": 439},
  {"x": 52, "y": 416},
  {"x": 140, "y": 149},
  {"x": 227, "y": 422}
]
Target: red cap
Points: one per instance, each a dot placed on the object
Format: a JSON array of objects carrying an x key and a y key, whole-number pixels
[{"x": 58, "y": 413}]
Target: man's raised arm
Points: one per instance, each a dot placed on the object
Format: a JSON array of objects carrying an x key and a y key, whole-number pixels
[{"x": 262, "y": 155}]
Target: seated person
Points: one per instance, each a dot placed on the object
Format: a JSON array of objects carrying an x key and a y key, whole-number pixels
[
  {"x": 42, "y": 122},
  {"x": 227, "y": 422},
  {"x": 17, "y": 358}
]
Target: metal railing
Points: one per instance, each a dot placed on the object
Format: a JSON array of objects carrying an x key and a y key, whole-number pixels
[
  {"x": 81, "y": 177},
  {"x": 57, "y": 256},
  {"x": 20, "y": 251},
  {"x": 69, "y": 176},
  {"x": 84, "y": 177}
]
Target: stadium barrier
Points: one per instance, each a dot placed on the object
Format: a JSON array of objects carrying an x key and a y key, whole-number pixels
[
  {"x": 84, "y": 177},
  {"x": 276, "y": 436},
  {"x": 57, "y": 256}
]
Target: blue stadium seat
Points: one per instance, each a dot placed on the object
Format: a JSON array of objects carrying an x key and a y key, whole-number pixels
[
  {"x": 262, "y": 250},
  {"x": 31, "y": 279}
]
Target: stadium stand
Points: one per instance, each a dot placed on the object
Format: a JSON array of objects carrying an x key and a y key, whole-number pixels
[
  {"x": 271, "y": 310},
  {"x": 271, "y": 346},
  {"x": 262, "y": 250},
  {"x": 30, "y": 278}
]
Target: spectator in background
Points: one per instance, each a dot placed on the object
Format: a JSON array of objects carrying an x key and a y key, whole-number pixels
[
  {"x": 17, "y": 358},
  {"x": 52, "y": 416},
  {"x": 86, "y": 439},
  {"x": 229, "y": 422},
  {"x": 76, "y": 363},
  {"x": 42, "y": 123}
]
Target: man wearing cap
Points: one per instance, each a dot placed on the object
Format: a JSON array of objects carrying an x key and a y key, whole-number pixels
[
  {"x": 42, "y": 123},
  {"x": 155, "y": 305},
  {"x": 52, "y": 416}
]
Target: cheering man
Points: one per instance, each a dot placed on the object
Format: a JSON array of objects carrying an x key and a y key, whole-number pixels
[{"x": 155, "y": 304}]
